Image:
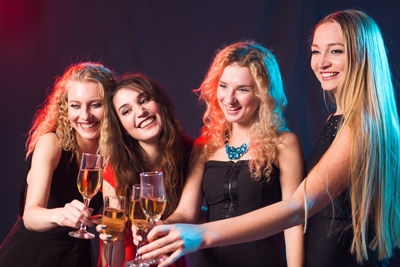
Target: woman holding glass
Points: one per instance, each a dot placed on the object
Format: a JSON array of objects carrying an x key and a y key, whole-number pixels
[
  {"x": 68, "y": 124},
  {"x": 245, "y": 159},
  {"x": 141, "y": 133},
  {"x": 351, "y": 195}
]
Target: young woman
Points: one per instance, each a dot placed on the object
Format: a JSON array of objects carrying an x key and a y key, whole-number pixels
[
  {"x": 245, "y": 158},
  {"x": 142, "y": 133},
  {"x": 349, "y": 59},
  {"x": 68, "y": 124}
]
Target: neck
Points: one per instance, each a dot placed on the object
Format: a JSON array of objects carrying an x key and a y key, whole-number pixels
[
  {"x": 87, "y": 146},
  {"x": 153, "y": 154},
  {"x": 239, "y": 135}
]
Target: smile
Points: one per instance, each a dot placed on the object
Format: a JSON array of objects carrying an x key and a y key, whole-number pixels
[
  {"x": 88, "y": 126},
  {"x": 229, "y": 108},
  {"x": 146, "y": 122},
  {"x": 328, "y": 74}
]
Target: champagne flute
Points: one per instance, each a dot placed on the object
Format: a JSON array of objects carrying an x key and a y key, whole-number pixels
[
  {"x": 114, "y": 219},
  {"x": 153, "y": 199},
  {"x": 88, "y": 182},
  {"x": 140, "y": 221}
]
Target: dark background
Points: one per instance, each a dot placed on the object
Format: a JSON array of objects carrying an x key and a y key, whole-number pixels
[{"x": 171, "y": 41}]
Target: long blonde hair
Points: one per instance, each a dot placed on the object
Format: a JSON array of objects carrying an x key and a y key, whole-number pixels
[
  {"x": 367, "y": 99},
  {"x": 269, "y": 119},
  {"x": 53, "y": 116}
]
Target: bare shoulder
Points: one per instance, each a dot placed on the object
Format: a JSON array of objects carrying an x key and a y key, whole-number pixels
[
  {"x": 47, "y": 150},
  {"x": 287, "y": 141}
]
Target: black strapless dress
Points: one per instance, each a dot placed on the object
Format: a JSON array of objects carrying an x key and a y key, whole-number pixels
[
  {"x": 230, "y": 191},
  {"x": 330, "y": 234},
  {"x": 53, "y": 248}
]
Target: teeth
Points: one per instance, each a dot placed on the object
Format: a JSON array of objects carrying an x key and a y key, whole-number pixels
[
  {"x": 87, "y": 125},
  {"x": 328, "y": 74},
  {"x": 232, "y": 108},
  {"x": 146, "y": 122}
]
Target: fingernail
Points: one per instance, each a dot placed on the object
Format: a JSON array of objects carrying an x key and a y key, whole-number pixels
[{"x": 103, "y": 226}]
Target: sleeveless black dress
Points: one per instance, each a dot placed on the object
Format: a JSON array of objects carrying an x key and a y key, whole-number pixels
[
  {"x": 54, "y": 247},
  {"x": 230, "y": 191},
  {"x": 329, "y": 232}
]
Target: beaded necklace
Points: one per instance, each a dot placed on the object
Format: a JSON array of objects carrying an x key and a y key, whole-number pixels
[{"x": 235, "y": 152}]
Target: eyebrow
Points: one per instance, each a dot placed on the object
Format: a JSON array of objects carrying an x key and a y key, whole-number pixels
[
  {"x": 329, "y": 44},
  {"x": 240, "y": 85}
]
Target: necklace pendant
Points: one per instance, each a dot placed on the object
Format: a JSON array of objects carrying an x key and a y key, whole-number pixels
[{"x": 235, "y": 152}]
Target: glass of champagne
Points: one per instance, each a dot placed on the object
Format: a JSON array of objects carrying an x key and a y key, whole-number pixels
[
  {"x": 140, "y": 221},
  {"x": 114, "y": 219},
  {"x": 89, "y": 182},
  {"x": 153, "y": 199}
]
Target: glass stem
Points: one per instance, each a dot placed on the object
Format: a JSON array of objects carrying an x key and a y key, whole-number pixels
[
  {"x": 86, "y": 201},
  {"x": 110, "y": 254}
]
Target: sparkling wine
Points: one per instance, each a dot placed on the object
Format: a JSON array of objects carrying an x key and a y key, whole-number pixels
[
  {"x": 153, "y": 208},
  {"x": 89, "y": 182},
  {"x": 115, "y": 221},
  {"x": 136, "y": 215}
]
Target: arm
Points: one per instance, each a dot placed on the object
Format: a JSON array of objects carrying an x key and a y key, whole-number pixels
[
  {"x": 325, "y": 182},
  {"x": 291, "y": 165},
  {"x": 119, "y": 245},
  {"x": 36, "y": 216},
  {"x": 189, "y": 206}
]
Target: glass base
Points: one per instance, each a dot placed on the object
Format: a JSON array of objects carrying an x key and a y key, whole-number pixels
[
  {"x": 81, "y": 234},
  {"x": 132, "y": 263}
]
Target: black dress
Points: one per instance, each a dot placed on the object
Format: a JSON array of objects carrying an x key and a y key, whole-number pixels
[
  {"x": 54, "y": 247},
  {"x": 329, "y": 232},
  {"x": 230, "y": 191}
]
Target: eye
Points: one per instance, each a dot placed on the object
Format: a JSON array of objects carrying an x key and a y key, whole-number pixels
[
  {"x": 314, "y": 52},
  {"x": 243, "y": 89},
  {"x": 144, "y": 99},
  {"x": 74, "y": 106},
  {"x": 222, "y": 85},
  {"x": 97, "y": 105},
  {"x": 125, "y": 111},
  {"x": 337, "y": 51}
]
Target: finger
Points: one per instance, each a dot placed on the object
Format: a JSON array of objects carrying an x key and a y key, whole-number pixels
[
  {"x": 81, "y": 207},
  {"x": 100, "y": 228},
  {"x": 106, "y": 238},
  {"x": 158, "y": 231},
  {"x": 96, "y": 219},
  {"x": 160, "y": 246},
  {"x": 172, "y": 258}
]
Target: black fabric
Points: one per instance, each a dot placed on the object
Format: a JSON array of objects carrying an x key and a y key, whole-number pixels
[
  {"x": 329, "y": 234},
  {"x": 54, "y": 247},
  {"x": 230, "y": 191}
]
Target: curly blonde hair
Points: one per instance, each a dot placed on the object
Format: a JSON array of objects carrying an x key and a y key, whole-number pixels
[
  {"x": 53, "y": 116},
  {"x": 269, "y": 121}
]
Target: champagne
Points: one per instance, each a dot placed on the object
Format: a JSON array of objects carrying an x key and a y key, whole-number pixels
[
  {"x": 153, "y": 208},
  {"x": 89, "y": 182},
  {"x": 115, "y": 221},
  {"x": 136, "y": 215}
]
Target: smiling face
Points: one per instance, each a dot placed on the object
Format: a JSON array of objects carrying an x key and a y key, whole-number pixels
[
  {"x": 236, "y": 95},
  {"x": 85, "y": 109},
  {"x": 139, "y": 114},
  {"x": 328, "y": 58}
]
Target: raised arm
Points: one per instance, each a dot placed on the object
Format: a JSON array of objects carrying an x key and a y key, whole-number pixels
[
  {"x": 291, "y": 166},
  {"x": 324, "y": 183},
  {"x": 37, "y": 217},
  {"x": 189, "y": 206}
]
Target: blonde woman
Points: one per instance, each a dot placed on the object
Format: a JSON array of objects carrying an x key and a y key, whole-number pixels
[
  {"x": 244, "y": 160},
  {"x": 68, "y": 124},
  {"x": 361, "y": 166}
]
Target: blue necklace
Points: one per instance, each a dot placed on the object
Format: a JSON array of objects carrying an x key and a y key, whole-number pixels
[{"x": 235, "y": 152}]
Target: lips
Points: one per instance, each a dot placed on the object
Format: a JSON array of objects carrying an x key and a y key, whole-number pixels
[
  {"x": 146, "y": 122},
  {"x": 329, "y": 75},
  {"x": 89, "y": 126}
]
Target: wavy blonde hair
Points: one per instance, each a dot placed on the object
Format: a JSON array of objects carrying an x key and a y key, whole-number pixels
[
  {"x": 268, "y": 122},
  {"x": 53, "y": 116},
  {"x": 127, "y": 157},
  {"x": 366, "y": 96}
]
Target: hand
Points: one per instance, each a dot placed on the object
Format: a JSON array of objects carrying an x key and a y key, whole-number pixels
[
  {"x": 100, "y": 229},
  {"x": 73, "y": 214},
  {"x": 178, "y": 239}
]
